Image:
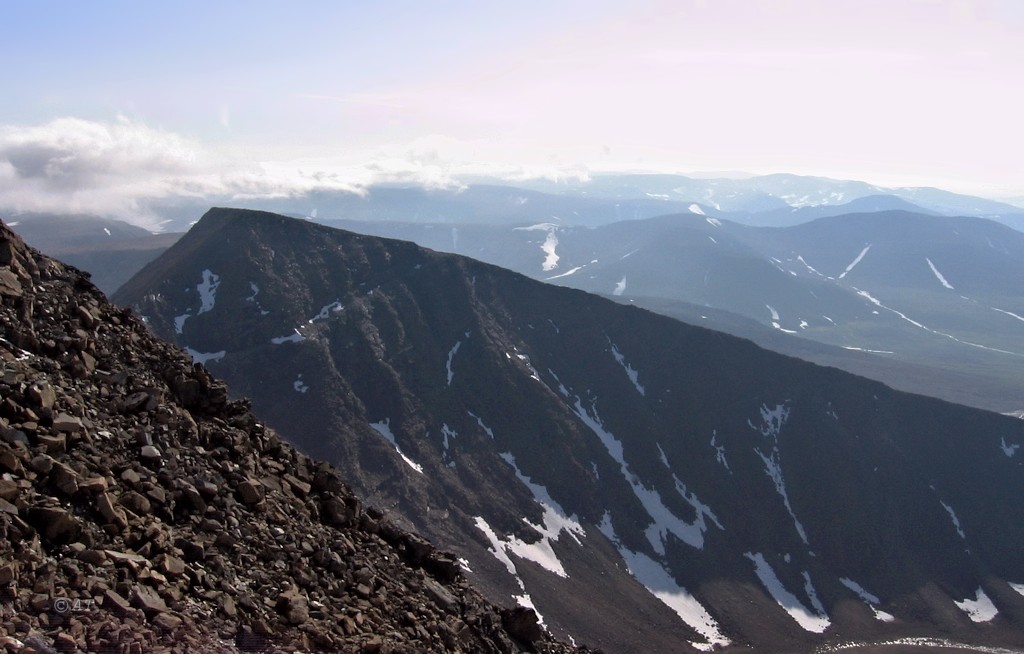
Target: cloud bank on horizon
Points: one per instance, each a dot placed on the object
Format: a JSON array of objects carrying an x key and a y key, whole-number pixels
[{"x": 112, "y": 105}]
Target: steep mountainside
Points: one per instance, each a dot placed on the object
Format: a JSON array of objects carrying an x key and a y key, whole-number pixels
[
  {"x": 141, "y": 510},
  {"x": 597, "y": 460}
]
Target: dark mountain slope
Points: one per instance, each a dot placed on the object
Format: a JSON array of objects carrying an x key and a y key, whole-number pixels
[
  {"x": 569, "y": 447},
  {"x": 141, "y": 510}
]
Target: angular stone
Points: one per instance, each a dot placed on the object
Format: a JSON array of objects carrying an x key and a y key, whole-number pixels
[
  {"x": 167, "y": 621},
  {"x": 112, "y": 514},
  {"x": 56, "y": 524},
  {"x": 55, "y": 444},
  {"x": 64, "y": 478},
  {"x": 113, "y": 602},
  {"x": 293, "y": 606},
  {"x": 136, "y": 503},
  {"x": 93, "y": 485},
  {"x": 64, "y": 423},
  {"x": 250, "y": 491},
  {"x": 150, "y": 452},
  {"x": 172, "y": 565},
  {"x": 42, "y": 394},
  {"x": 147, "y": 599}
]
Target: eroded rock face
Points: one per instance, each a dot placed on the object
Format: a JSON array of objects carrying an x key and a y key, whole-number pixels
[{"x": 141, "y": 509}]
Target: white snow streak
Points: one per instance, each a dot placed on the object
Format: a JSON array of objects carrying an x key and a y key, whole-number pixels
[
  {"x": 952, "y": 516},
  {"x": 664, "y": 522},
  {"x": 853, "y": 264},
  {"x": 772, "y": 421},
  {"x": 695, "y": 208},
  {"x": 904, "y": 316},
  {"x": 1017, "y": 587},
  {"x": 448, "y": 365},
  {"x": 658, "y": 582},
  {"x": 550, "y": 256},
  {"x": 979, "y": 609},
  {"x": 384, "y": 429},
  {"x": 553, "y": 523},
  {"x": 870, "y": 599},
  {"x": 938, "y": 275},
  {"x": 630, "y": 371},
  {"x": 809, "y": 621}
]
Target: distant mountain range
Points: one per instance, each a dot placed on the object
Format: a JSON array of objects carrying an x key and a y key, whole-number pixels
[{"x": 592, "y": 459}]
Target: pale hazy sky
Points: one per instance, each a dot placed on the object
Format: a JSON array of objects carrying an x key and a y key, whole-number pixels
[{"x": 107, "y": 102}]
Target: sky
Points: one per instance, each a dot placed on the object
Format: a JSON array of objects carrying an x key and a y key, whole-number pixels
[{"x": 108, "y": 105}]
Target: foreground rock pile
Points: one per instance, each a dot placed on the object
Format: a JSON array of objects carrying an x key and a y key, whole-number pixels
[{"x": 142, "y": 510}]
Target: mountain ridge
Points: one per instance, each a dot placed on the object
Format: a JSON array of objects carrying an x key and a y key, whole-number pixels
[{"x": 496, "y": 413}]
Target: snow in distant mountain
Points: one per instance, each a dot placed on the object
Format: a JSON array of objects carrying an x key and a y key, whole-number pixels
[
  {"x": 205, "y": 357},
  {"x": 326, "y": 311},
  {"x": 207, "y": 291},
  {"x": 938, "y": 275},
  {"x": 1008, "y": 450},
  {"x": 384, "y": 429},
  {"x": 956, "y": 520},
  {"x": 620, "y": 287},
  {"x": 567, "y": 273},
  {"x": 294, "y": 337},
  {"x": 451, "y": 356},
  {"x": 550, "y": 255},
  {"x": 1017, "y": 587},
  {"x": 719, "y": 451},
  {"x": 804, "y": 617},
  {"x": 714, "y": 222},
  {"x": 299, "y": 385},
  {"x": 1009, "y": 313},
  {"x": 870, "y": 599},
  {"x": 979, "y": 609},
  {"x": 853, "y": 264},
  {"x": 487, "y": 430},
  {"x": 107, "y": 231},
  {"x": 660, "y": 583}
]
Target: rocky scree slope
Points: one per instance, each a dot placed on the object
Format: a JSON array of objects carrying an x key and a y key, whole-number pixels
[
  {"x": 142, "y": 510},
  {"x": 591, "y": 459}
]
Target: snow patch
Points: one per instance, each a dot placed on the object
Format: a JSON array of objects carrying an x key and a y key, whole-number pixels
[
  {"x": 487, "y": 430},
  {"x": 853, "y": 264},
  {"x": 660, "y": 583},
  {"x": 938, "y": 275},
  {"x": 808, "y": 620},
  {"x": 294, "y": 337},
  {"x": 326, "y": 311},
  {"x": 695, "y": 208},
  {"x": 772, "y": 421},
  {"x": 719, "y": 451},
  {"x": 207, "y": 291},
  {"x": 664, "y": 522},
  {"x": 1017, "y": 587},
  {"x": 205, "y": 357},
  {"x": 554, "y": 521},
  {"x": 714, "y": 222},
  {"x": 620, "y": 287},
  {"x": 299, "y": 385},
  {"x": 952, "y": 516},
  {"x": 448, "y": 365},
  {"x": 870, "y": 599},
  {"x": 1008, "y": 450},
  {"x": 979, "y": 609},
  {"x": 630, "y": 371},
  {"x": 179, "y": 321},
  {"x": 384, "y": 429}
]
